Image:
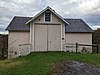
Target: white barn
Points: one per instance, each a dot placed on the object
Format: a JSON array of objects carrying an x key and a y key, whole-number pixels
[{"x": 46, "y": 31}]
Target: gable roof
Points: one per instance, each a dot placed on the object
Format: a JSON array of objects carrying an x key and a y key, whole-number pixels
[
  {"x": 18, "y": 24},
  {"x": 48, "y": 8},
  {"x": 76, "y": 25}
]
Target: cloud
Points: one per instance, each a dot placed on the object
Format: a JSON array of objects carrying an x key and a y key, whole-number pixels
[
  {"x": 1, "y": 29},
  {"x": 11, "y": 8},
  {"x": 95, "y": 27},
  {"x": 88, "y": 10}
]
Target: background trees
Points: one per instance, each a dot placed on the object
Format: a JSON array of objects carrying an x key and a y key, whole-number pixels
[{"x": 96, "y": 36}]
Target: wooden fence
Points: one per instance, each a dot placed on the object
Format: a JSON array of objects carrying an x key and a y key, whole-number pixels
[
  {"x": 24, "y": 49},
  {"x": 93, "y": 45},
  {"x": 86, "y": 48}
]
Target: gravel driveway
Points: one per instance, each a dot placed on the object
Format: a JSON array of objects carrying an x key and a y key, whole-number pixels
[{"x": 75, "y": 68}]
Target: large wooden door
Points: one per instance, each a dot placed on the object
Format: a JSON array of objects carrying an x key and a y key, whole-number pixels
[
  {"x": 54, "y": 37},
  {"x": 40, "y": 40},
  {"x": 47, "y": 38}
]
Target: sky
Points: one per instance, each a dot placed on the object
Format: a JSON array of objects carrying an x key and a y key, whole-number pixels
[{"x": 88, "y": 10}]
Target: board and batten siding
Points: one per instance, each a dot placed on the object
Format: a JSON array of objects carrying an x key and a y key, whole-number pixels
[{"x": 14, "y": 39}]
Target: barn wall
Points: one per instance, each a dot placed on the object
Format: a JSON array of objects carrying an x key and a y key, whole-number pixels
[
  {"x": 14, "y": 39},
  {"x": 81, "y": 38},
  {"x": 55, "y": 20}
]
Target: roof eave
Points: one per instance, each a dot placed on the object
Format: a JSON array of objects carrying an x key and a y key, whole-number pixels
[{"x": 79, "y": 32}]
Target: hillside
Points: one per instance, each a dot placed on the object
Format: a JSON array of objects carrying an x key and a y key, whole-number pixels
[{"x": 43, "y": 63}]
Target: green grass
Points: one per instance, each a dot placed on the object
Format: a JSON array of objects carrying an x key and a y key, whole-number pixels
[{"x": 42, "y": 63}]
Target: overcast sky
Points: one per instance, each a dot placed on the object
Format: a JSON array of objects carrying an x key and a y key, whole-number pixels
[{"x": 88, "y": 10}]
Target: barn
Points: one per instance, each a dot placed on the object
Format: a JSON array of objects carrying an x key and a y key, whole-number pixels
[{"x": 46, "y": 31}]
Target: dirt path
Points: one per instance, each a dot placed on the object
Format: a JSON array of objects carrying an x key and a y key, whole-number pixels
[{"x": 75, "y": 68}]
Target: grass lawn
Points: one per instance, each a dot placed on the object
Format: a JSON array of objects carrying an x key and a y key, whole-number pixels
[{"x": 42, "y": 63}]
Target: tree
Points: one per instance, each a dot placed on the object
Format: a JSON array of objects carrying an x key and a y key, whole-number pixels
[{"x": 96, "y": 36}]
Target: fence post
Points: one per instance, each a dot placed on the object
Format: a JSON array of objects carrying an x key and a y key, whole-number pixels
[
  {"x": 97, "y": 48},
  {"x": 76, "y": 46}
]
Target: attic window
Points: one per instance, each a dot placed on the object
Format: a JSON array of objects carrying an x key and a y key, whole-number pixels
[{"x": 47, "y": 16}]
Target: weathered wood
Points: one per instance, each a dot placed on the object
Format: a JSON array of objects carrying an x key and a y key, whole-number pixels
[{"x": 87, "y": 45}]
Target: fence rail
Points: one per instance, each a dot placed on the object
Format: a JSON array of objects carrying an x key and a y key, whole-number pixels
[
  {"x": 24, "y": 49},
  {"x": 77, "y": 47}
]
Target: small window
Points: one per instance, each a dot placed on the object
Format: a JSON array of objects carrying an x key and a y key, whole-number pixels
[{"x": 47, "y": 16}]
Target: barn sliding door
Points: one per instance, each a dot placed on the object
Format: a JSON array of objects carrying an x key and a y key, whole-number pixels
[
  {"x": 47, "y": 38},
  {"x": 40, "y": 40},
  {"x": 54, "y": 37}
]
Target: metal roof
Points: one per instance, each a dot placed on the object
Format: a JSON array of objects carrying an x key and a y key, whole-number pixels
[
  {"x": 18, "y": 24},
  {"x": 75, "y": 25}
]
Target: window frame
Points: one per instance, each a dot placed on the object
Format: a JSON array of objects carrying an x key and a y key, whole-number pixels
[{"x": 50, "y": 17}]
